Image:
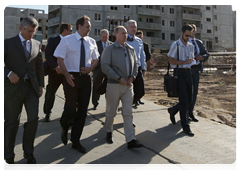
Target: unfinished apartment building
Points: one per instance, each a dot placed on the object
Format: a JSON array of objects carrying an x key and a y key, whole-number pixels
[
  {"x": 13, "y": 17},
  {"x": 161, "y": 24}
]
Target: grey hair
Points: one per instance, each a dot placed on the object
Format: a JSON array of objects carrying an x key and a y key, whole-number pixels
[
  {"x": 131, "y": 21},
  {"x": 29, "y": 21},
  {"x": 104, "y": 31}
]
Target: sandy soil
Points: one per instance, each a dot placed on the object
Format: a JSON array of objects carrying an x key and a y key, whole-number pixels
[{"x": 216, "y": 98}]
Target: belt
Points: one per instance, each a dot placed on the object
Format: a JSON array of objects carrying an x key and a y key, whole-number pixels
[
  {"x": 79, "y": 73},
  {"x": 184, "y": 69},
  {"x": 195, "y": 66},
  {"x": 25, "y": 80}
]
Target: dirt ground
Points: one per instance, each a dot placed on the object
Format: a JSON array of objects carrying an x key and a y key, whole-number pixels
[{"x": 216, "y": 98}]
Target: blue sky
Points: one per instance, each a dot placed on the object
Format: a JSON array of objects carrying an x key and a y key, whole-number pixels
[{"x": 45, "y": 7}]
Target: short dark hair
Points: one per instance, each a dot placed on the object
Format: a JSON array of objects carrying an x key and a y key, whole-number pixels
[
  {"x": 139, "y": 32},
  {"x": 187, "y": 27},
  {"x": 64, "y": 26},
  {"x": 81, "y": 21}
]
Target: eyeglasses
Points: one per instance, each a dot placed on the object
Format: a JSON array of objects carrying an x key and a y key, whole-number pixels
[
  {"x": 31, "y": 32},
  {"x": 187, "y": 35}
]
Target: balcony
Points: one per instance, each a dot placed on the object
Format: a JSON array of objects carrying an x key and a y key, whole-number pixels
[
  {"x": 192, "y": 6},
  {"x": 53, "y": 21},
  {"x": 149, "y": 26},
  {"x": 156, "y": 41},
  {"x": 191, "y": 17},
  {"x": 147, "y": 11},
  {"x": 52, "y": 8}
]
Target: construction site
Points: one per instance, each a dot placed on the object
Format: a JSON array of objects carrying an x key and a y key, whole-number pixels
[{"x": 216, "y": 98}]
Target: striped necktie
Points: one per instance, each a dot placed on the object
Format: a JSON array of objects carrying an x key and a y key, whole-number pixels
[
  {"x": 104, "y": 45},
  {"x": 25, "y": 49}
]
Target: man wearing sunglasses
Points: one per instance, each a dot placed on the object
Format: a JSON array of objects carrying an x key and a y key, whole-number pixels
[
  {"x": 201, "y": 55},
  {"x": 186, "y": 57},
  {"x": 51, "y": 68}
]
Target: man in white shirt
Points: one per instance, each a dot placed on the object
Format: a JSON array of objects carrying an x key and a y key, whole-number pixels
[
  {"x": 185, "y": 50},
  {"x": 75, "y": 55}
]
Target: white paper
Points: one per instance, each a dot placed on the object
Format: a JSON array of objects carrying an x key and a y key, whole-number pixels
[{"x": 189, "y": 65}]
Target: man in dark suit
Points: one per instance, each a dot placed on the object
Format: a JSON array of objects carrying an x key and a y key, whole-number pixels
[
  {"x": 139, "y": 34},
  {"x": 97, "y": 72},
  {"x": 201, "y": 55},
  {"x": 55, "y": 76},
  {"x": 23, "y": 82}
]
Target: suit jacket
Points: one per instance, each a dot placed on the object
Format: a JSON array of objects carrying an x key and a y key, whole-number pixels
[
  {"x": 113, "y": 62},
  {"x": 146, "y": 50},
  {"x": 15, "y": 60},
  {"x": 100, "y": 49},
  {"x": 51, "y": 61},
  {"x": 203, "y": 52}
]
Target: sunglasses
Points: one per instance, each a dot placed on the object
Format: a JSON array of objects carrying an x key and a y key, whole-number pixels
[{"x": 187, "y": 35}]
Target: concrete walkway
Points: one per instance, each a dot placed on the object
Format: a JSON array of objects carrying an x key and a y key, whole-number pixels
[{"x": 164, "y": 143}]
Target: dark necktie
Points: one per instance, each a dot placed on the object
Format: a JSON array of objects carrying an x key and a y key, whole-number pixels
[
  {"x": 82, "y": 57},
  {"x": 195, "y": 48},
  {"x": 130, "y": 39},
  {"x": 26, "y": 51}
]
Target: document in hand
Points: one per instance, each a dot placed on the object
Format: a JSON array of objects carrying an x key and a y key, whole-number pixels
[{"x": 189, "y": 65}]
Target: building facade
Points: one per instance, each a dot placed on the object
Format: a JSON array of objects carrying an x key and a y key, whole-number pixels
[
  {"x": 13, "y": 17},
  {"x": 161, "y": 24},
  {"x": 235, "y": 29}
]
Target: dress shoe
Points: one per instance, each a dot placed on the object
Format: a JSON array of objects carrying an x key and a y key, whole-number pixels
[
  {"x": 134, "y": 144},
  {"x": 109, "y": 137},
  {"x": 140, "y": 102},
  {"x": 172, "y": 113},
  {"x": 47, "y": 118},
  {"x": 30, "y": 158},
  {"x": 134, "y": 125},
  {"x": 79, "y": 147},
  {"x": 136, "y": 104},
  {"x": 193, "y": 118},
  {"x": 9, "y": 164},
  {"x": 189, "y": 132},
  {"x": 64, "y": 136},
  {"x": 95, "y": 107}
]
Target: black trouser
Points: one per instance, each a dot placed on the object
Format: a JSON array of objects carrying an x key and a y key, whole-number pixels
[
  {"x": 76, "y": 104},
  {"x": 185, "y": 95},
  {"x": 24, "y": 95},
  {"x": 54, "y": 81},
  {"x": 195, "y": 79},
  {"x": 138, "y": 86},
  {"x": 97, "y": 80}
]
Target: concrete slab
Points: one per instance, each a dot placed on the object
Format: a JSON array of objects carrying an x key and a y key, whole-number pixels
[{"x": 164, "y": 143}]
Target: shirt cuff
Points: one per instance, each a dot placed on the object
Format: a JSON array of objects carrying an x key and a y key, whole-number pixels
[{"x": 9, "y": 73}]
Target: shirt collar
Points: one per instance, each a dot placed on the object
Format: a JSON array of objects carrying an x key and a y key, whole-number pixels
[
  {"x": 181, "y": 43},
  {"x": 78, "y": 36},
  {"x": 131, "y": 36},
  {"x": 60, "y": 36},
  {"x": 21, "y": 38}
]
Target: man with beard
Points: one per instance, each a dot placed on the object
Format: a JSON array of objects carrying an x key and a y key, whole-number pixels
[{"x": 185, "y": 50}]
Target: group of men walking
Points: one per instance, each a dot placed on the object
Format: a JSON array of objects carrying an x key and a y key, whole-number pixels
[{"x": 70, "y": 57}]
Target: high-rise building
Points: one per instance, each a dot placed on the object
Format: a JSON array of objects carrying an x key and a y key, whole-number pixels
[
  {"x": 13, "y": 17},
  {"x": 235, "y": 29},
  {"x": 161, "y": 24}
]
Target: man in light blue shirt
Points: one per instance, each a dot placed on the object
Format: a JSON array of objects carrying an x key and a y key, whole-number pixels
[{"x": 137, "y": 44}]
